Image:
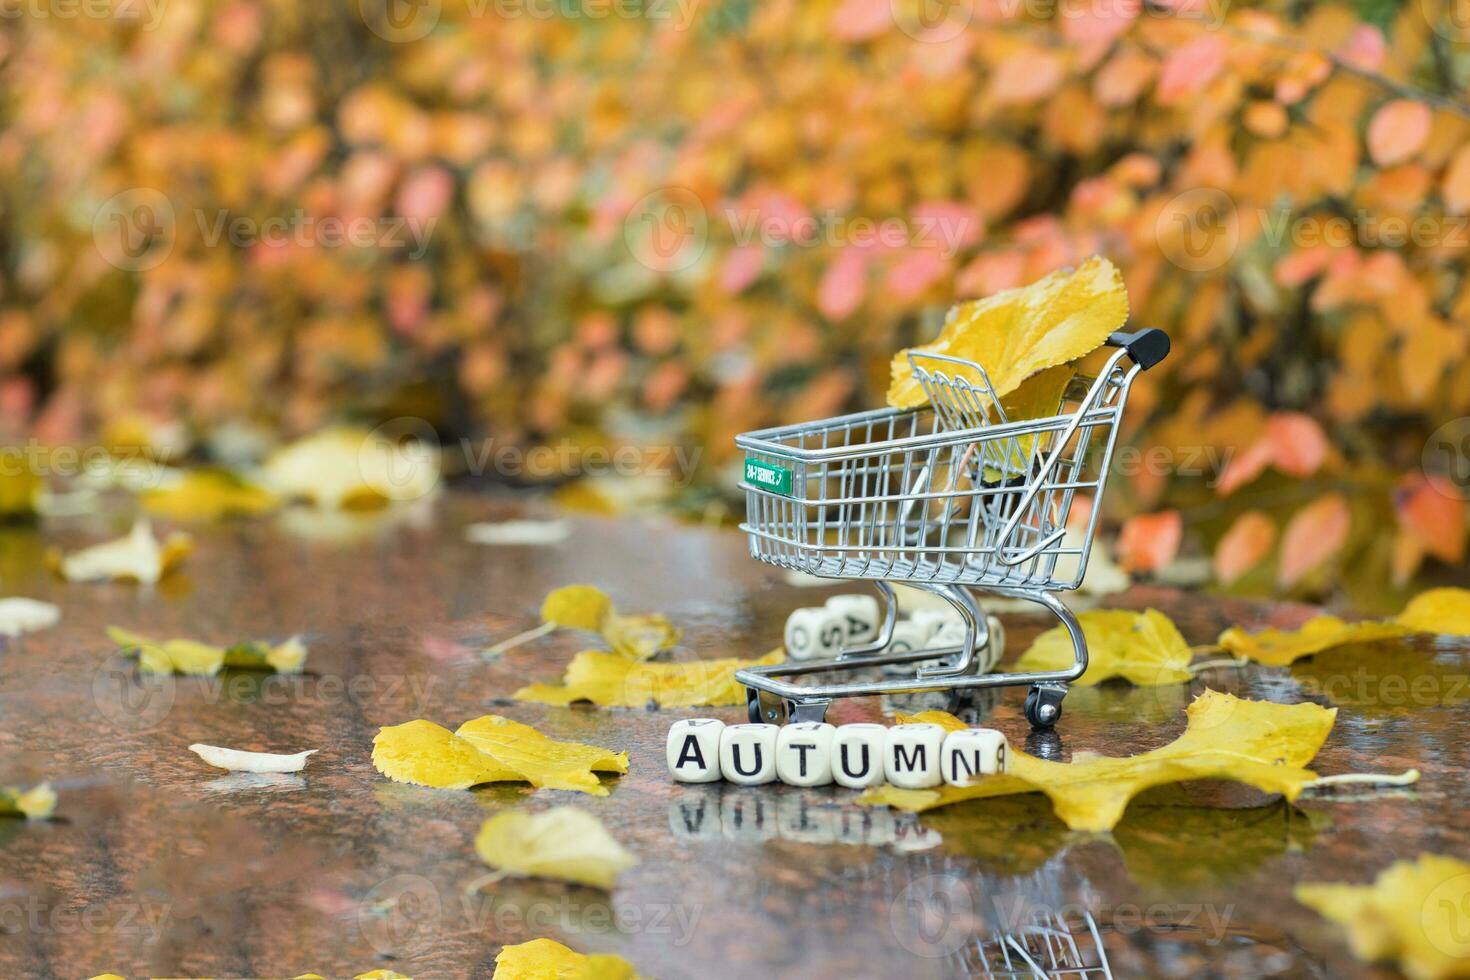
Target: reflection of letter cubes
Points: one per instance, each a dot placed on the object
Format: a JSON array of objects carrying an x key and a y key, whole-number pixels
[
  {"x": 748, "y": 754},
  {"x": 804, "y": 754},
  {"x": 857, "y": 755},
  {"x": 973, "y": 752},
  {"x": 911, "y": 756},
  {"x": 814, "y": 634},
  {"x": 693, "y": 750},
  {"x": 859, "y": 616}
]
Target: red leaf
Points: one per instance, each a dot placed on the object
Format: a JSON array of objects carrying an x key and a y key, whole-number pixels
[
  {"x": 1298, "y": 444},
  {"x": 861, "y": 20},
  {"x": 843, "y": 285},
  {"x": 1429, "y": 510},
  {"x": 915, "y": 272},
  {"x": 741, "y": 268},
  {"x": 1190, "y": 68},
  {"x": 1148, "y": 542},
  {"x": 1314, "y": 534},
  {"x": 1247, "y": 542},
  {"x": 1397, "y": 131}
]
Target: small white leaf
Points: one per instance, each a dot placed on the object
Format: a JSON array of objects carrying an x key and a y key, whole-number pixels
[
  {"x": 519, "y": 532},
  {"x": 237, "y": 760},
  {"x": 20, "y": 615}
]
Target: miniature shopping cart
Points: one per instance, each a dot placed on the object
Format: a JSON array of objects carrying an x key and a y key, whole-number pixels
[{"x": 948, "y": 497}]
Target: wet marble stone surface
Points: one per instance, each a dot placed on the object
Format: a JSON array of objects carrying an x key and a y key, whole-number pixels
[{"x": 160, "y": 866}]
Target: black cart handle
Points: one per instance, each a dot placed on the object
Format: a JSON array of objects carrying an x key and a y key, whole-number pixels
[{"x": 1147, "y": 347}]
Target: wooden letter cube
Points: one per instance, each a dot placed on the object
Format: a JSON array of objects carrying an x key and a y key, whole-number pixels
[
  {"x": 804, "y": 754},
  {"x": 748, "y": 754},
  {"x": 693, "y": 750},
  {"x": 859, "y": 614},
  {"x": 911, "y": 756},
  {"x": 815, "y": 633},
  {"x": 971, "y": 753},
  {"x": 857, "y": 755}
]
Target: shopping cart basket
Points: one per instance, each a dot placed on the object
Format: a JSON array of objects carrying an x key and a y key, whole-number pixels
[{"x": 948, "y": 497}]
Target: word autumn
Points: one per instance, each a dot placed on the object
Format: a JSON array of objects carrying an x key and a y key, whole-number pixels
[{"x": 917, "y": 756}]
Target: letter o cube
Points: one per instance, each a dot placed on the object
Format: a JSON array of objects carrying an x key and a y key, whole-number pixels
[
  {"x": 814, "y": 633},
  {"x": 748, "y": 754},
  {"x": 911, "y": 756},
  {"x": 693, "y": 750},
  {"x": 857, "y": 755},
  {"x": 804, "y": 754},
  {"x": 971, "y": 753}
]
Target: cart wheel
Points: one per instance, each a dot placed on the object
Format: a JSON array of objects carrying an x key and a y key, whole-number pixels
[
  {"x": 765, "y": 709},
  {"x": 1044, "y": 705}
]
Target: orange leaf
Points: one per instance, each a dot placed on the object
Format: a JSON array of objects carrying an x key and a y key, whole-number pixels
[
  {"x": 1398, "y": 131},
  {"x": 1148, "y": 542},
  {"x": 1025, "y": 77},
  {"x": 861, "y": 20},
  {"x": 1244, "y": 467},
  {"x": 1456, "y": 188},
  {"x": 1248, "y": 541},
  {"x": 1190, "y": 68},
  {"x": 1298, "y": 444},
  {"x": 843, "y": 284},
  {"x": 742, "y": 267},
  {"x": 1430, "y": 512},
  {"x": 1314, "y": 534}
]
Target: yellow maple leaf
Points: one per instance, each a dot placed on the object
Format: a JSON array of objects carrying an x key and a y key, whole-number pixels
[
  {"x": 1144, "y": 648},
  {"x": 541, "y": 761},
  {"x": 1018, "y": 332},
  {"x": 613, "y": 681},
  {"x": 1256, "y": 742},
  {"x": 1413, "y": 913},
  {"x": 547, "y": 959},
  {"x": 1277, "y": 648},
  {"x": 563, "y": 843},
  {"x": 209, "y": 495},
  {"x": 586, "y": 607},
  {"x": 1442, "y": 611},
  {"x": 36, "y": 803},
  {"x": 426, "y": 754}
]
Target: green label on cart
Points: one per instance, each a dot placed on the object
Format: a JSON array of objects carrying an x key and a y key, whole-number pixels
[{"x": 768, "y": 476}]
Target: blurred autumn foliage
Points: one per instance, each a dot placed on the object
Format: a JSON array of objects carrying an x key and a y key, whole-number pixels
[{"x": 668, "y": 221}]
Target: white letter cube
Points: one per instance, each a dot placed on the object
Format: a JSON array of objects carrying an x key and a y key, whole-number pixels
[
  {"x": 859, "y": 615},
  {"x": 934, "y": 620},
  {"x": 973, "y": 752},
  {"x": 908, "y": 637},
  {"x": 911, "y": 756},
  {"x": 693, "y": 750},
  {"x": 804, "y": 754},
  {"x": 748, "y": 754},
  {"x": 857, "y": 755},
  {"x": 814, "y": 633}
]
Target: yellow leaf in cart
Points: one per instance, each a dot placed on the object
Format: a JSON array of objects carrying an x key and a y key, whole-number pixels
[
  {"x": 1261, "y": 744},
  {"x": 541, "y": 761},
  {"x": 546, "y": 959},
  {"x": 613, "y": 681},
  {"x": 1144, "y": 648},
  {"x": 1413, "y": 913},
  {"x": 1018, "y": 332},
  {"x": 564, "y": 843}
]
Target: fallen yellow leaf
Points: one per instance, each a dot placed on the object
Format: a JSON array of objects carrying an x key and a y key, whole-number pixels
[
  {"x": 1143, "y": 648},
  {"x": 1256, "y": 742},
  {"x": 426, "y": 754},
  {"x": 563, "y": 843},
  {"x": 36, "y": 803},
  {"x": 1277, "y": 648},
  {"x": 209, "y": 495},
  {"x": 1442, "y": 611},
  {"x": 1018, "y": 332},
  {"x": 943, "y": 719},
  {"x": 614, "y": 681},
  {"x": 179, "y": 656},
  {"x": 352, "y": 469},
  {"x": 543, "y": 762},
  {"x": 546, "y": 959},
  {"x": 370, "y": 975},
  {"x": 1413, "y": 913},
  {"x": 138, "y": 557},
  {"x": 585, "y": 607}
]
